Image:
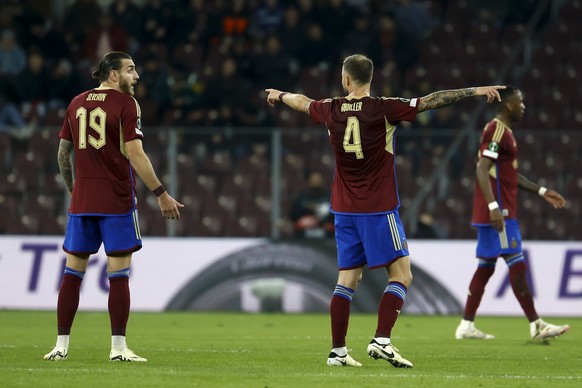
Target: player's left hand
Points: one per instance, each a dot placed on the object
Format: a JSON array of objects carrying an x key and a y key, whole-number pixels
[
  {"x": 554, "y": 199},
  {"x": 491, "y": 92},
  {"x": 169, "y": 207},
  {"x": 273, "y": 96}
]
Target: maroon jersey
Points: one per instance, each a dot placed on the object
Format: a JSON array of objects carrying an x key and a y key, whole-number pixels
[
  {"x": 99, "y": 122},
  {"x": 498, "y": 144},
  {"x": 362, "y": 135}
]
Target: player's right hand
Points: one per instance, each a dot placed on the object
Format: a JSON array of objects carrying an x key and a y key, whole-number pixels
[
  {"x": 497, "y": 221},
  {"x": 273, "y": 96}
]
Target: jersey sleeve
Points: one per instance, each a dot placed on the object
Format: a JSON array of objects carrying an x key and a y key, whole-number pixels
[
  {"x": 65, "y": 132},
  {"x": 320, "y": 110},
  {"x": 131, "y": 120},
  {"x": 491, "y": 140},
  {"x": 400, "y": 109}
]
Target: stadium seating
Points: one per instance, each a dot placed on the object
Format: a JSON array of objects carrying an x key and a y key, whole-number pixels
[{"x": 226, "y": 186}]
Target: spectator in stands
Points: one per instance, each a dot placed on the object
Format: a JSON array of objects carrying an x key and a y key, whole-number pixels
[
  {"x": 245, "y": 58},
  {"x": 443, "y": 122},
  {"x": 128, "y": 15},
  {"x": 427, "y": 228},
  {"x": 289, "y": 30},
  {"x": 12, "y": 122},
  {"x": 22, "y": 16},
  {"x": 383, "y": 40},
  {"x": 273, "y": 67},
  {"x": 104, "y": 37},
  {"x": 158, "y": 23},
  {"x": 236, "y": 19},
  {"x": 315, "y": 46},
  {"x": 359, "y": 37},
  {"x": 62, "y": 85},
  {"x": 47, "y": 37},
  {"x": 155, "y": 79},
  {"x": 200, "y": 23},
  {"x": 188, "y": 98},
  {"x": 413, "y": 18},
  {"x": 228, "y": 86},
  {"x": 310, "y": 209},
  {"x": 12, "y": 56},
  {"x": 336, "y": 16},
  {"x": 79, "y": 18},
  {"x": 308, "y": 13},
  {"x": 267, "y": 18},
  {"x": 33, "y": 87}
]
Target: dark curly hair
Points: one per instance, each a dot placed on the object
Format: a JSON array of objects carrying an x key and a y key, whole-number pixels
[{"x": 506, "y": 94}]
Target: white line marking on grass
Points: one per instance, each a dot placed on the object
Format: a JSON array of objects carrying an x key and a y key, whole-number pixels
[
  {"x": 415, "y": 376},
  {"x": 506, "y": 376},
  {"x": 198, "y": 350}
]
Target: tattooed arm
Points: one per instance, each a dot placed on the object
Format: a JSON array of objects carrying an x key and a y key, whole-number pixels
[
  {"x": 65, "y": 165},
  {"x": 447, "y": 97}
]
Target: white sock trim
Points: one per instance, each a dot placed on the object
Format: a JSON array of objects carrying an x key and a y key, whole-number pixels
[
  {"x": 382, "y": 340},
  {"x": 118, "y": 342},
  {"x": 63, "y": 341},
  {"x": 340, "y": 351}
]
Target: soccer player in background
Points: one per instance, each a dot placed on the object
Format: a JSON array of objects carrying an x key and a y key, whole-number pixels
[
  {"x": 495, "y": 217},
  {"x": 102, "y": 127},
  {"x": 364, "y": 196}
]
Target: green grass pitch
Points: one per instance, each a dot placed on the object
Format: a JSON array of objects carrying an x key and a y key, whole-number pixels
[{"x": 273, "y": 350}]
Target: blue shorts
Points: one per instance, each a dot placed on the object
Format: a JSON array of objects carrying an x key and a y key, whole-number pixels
[
  {"x": 491, "y": 244},
  {"x": 119, "y": 234},
  {"x": 376, "y": 240}
]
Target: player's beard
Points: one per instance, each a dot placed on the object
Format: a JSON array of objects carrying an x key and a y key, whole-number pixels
[{"x": 126, "y": 87}]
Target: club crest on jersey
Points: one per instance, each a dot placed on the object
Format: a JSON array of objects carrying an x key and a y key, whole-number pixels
[{"x": 493, "y": 146}]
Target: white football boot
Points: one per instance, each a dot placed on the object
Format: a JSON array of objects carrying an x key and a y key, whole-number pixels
[
  {"x": 57, "y": 354},
  {"x": 125, "y": 356},
  {"x": 389, "y": 353},
  {"x": 467, "y": 330},
  {"x": 336, "y": 360},
  {"x": 542, "y": 330}
]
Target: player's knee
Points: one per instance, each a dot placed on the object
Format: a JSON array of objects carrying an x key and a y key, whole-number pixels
[{"x": 407, "y": 281}]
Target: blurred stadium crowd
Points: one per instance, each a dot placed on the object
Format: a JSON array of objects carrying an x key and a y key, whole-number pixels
[{"x": 204, "y": 64}]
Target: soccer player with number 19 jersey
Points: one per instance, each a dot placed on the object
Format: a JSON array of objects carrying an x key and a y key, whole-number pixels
[
  {"x": 364, "y": 196},
  {"x": 495, "y": 217},
  {"x": 102, "y": 127}
]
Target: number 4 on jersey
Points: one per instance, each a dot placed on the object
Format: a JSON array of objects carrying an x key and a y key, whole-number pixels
[{"x": 352, "y": 140}]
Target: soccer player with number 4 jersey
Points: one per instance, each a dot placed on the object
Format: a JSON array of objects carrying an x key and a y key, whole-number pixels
[
  {"x": 495, "y": 217},
  {"x": 102, "y": 128},
  {"x": 364, "y": 195}
]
